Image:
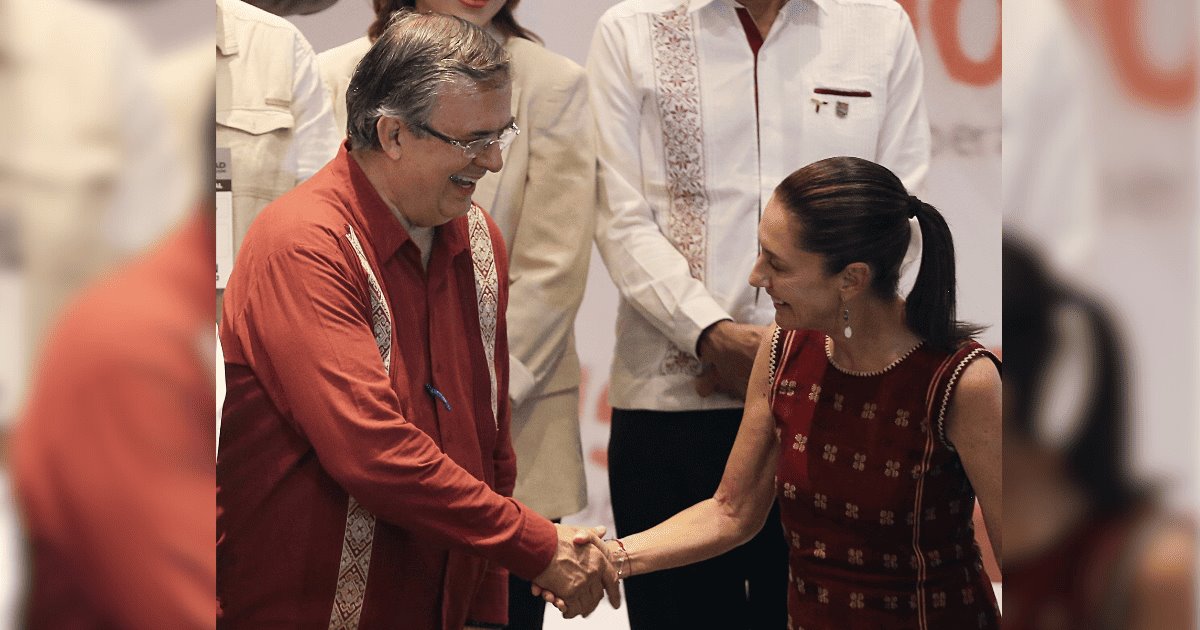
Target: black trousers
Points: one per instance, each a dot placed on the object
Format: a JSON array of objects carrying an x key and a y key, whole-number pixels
[
  {"x": 660, "y": 463},
  {"x": 525, "y": 612}
]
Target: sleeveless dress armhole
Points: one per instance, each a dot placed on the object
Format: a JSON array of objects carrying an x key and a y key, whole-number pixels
[{"x": 946, "y": 379}]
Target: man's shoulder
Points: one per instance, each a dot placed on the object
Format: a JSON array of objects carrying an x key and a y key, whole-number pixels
[
  {"x": 312, "y": 216},
  {"x": 886, "y": 8},
  {"x": 631, "y": 9}
]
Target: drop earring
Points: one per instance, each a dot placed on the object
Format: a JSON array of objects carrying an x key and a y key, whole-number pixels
[{"x": 847, "y": 332}]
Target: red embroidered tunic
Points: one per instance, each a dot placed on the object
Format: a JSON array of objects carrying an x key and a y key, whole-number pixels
[
  {"x": 365, "y": 456},
  {"x": 875, "y": 503}
]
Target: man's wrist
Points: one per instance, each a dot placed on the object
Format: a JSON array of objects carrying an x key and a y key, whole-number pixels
[{"x": 702, "y": 340}]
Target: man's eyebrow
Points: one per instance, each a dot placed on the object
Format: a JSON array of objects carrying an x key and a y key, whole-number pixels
[{"x": 483, "y": 133}]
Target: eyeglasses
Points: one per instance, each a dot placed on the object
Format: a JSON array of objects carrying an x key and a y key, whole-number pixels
[{"x": 473, "y": 148}]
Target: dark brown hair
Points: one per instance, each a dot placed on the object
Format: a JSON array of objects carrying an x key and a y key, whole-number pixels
[
  {"x": 854, "y": 210},
  {"x": 503, "y": 21}
]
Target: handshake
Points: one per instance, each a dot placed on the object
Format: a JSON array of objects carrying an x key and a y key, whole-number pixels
[{"x": 580, "y": 573}]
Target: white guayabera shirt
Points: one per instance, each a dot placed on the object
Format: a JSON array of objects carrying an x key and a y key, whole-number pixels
[{"x": 686, "y": 165}]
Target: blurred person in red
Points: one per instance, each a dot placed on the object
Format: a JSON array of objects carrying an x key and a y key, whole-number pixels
[
  {"x": 1086, "y": 545},
  {"x": 365, "y": 464},
  {"x": 111, "y": 460}
]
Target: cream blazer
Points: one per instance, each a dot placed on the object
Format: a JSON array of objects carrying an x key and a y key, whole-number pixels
[{"x": 544, "y": 202}]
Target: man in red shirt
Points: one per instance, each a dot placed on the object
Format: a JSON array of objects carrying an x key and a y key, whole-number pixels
[{"x": 365, "y": 464}]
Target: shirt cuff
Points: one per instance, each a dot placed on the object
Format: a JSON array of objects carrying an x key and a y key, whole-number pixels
[
  {"x": 534, "y": 547},
  {"x": 700, "y": 314},
  {"x": 521, "y": 381}
]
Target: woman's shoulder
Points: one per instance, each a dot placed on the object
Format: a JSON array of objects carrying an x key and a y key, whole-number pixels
[
  {"x": 346, "y": 56},
  {"x": 538, "y": 67}
]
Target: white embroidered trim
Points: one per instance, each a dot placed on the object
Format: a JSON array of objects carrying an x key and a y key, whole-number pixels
[
  {"x": 773, "y": 361},
  {"x": 677, "y": 86},
  {"x": 381, "y": 313},
  {"x": 487, "y": 294},
  {"x": 359, "y": 537},
  {"x": 941, "y": 420}
]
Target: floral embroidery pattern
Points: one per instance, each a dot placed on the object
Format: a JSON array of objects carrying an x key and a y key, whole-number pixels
[
  {"x": 838, "y": 400},
  {"x": 820, "y": 501},
  {"x": 819, "y": 550},
  {"x": 856, "y": 600},
  {"x": 487, "y": 294},
  {"x": 868, "y": 411},
  {"x": 830, "y": 453},
  {"x": 939, "y": 600},
  {"x": 822, "y": 595},
  {"x": 890, "y": 561},
  {"x": 855, "y": 556},
  {"x": 891, "y": 602},
  {"x": 860, "y": 462},
  {"x": 358, "y": 537},
  {"x": 801, "y": 442},
  {"x": 892, "y": 468},
  {"x": 851, "y": 510},
  {"x": 677, "y": 87},
  {"x": 887, "y": 517},
  {"x": 789, "y": 491},
  {"x": 902, "y": 418},
  {"x": 814, "y": 394},
  {"x": 787, "y": 388}
]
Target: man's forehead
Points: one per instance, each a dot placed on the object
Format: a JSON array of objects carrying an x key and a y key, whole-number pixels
[{"x": 474, "y": 110}]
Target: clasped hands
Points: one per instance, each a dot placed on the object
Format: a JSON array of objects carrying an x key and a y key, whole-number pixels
[{"x": 580, "y": 574}]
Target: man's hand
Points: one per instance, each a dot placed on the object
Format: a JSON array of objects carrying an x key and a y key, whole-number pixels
[
  {"x": 727, "y": 351},
  {"x": 579, "y": 574},
  {"x": 583, "y": 537}
]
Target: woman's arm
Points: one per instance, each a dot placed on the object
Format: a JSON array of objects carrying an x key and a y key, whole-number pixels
[
  {"x": 741, "y": 504},
  {"x": 974, "y": 428}
]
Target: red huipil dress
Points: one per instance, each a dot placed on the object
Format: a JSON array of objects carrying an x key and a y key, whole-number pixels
[{"x": 875, "y": 503}]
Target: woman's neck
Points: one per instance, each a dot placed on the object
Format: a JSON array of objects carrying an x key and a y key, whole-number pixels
[{"x": 879, "y": 335}]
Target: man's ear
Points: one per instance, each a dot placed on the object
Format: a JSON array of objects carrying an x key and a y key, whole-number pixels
[
  {"x": 855, "y": 279},
  {"x": 391, "y": 132}
]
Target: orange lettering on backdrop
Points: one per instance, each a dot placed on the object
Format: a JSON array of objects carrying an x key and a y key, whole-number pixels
[
  {"x": 1168, "y": 89},
  {"x": 944, "y": 22}
]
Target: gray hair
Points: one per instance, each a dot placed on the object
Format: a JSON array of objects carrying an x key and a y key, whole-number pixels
[{"x": 403, "y": 72}]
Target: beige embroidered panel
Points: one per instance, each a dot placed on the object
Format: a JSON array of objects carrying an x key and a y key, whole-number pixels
[
  {"x": 359, "y": 536},
  {"x": 677, "y": 86},
  {"x": 487, "y": 294}
]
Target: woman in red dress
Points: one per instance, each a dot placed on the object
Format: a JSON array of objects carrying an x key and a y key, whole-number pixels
[{"x": 874, "y": 418}]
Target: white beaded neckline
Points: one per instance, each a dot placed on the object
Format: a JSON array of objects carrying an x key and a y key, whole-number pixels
[{"x": 829, "y": 356}]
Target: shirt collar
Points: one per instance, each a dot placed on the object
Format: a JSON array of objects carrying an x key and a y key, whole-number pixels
[
  {"x": 226, "y": 31},
  {"x": 384, "y": 232}
]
